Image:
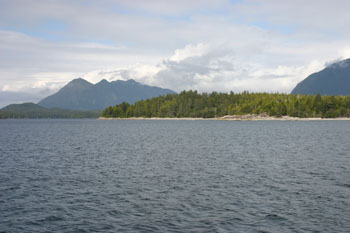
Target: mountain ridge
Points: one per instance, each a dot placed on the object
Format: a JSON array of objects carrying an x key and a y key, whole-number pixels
[
  {"x": 332, "y": 80},
  {"x": 80, "y": 94}
]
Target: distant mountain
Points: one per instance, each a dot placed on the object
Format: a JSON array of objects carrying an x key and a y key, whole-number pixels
[
  {"x": 10, "y": 97},
  {"x": 31, "y": 110},
  {"x": 80, "y": 94},
  {"x": 25, "y": 107},
  {"x": 333, "y": 80}
]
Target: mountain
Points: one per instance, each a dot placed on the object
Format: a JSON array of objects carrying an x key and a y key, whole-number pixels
[
  {"x": 25, "y": 107},
  {"x": 31, "y": 110},
  {"x": 333, "y": 80},
  {"x": 80, "y": 94},
  {"x": 10, "y": 97}
]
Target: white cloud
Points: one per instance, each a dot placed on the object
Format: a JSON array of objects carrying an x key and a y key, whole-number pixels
[
  {"x": 206, "y": 68},
  {"x": 205, "y": 45},
  {"x": 189, "y": 51}
]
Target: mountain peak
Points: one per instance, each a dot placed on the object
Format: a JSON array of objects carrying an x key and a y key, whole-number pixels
[
  {"x": 79, "y": 80},
  {"x": 103, "y": 81},
  {"x": 333, "y": 80},
  {"x": 125, "y": 81},
  {"x": 132, "y": 82},
  {"x": 78, "y": 83},
  {"x": 340, "y": 64},
  {"x": 79, "y": 94}
]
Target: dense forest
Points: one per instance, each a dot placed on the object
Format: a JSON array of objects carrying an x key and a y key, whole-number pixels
[{"x": 193, "y": 104}]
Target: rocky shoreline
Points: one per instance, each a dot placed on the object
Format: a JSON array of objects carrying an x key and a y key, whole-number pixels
[{"x": 248, "y": 117}]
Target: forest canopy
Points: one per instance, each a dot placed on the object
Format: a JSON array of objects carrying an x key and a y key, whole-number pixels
[{"x": 210, "y": 105}]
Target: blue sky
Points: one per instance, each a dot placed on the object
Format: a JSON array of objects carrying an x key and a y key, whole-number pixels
[{"x": 205, "y": 45}]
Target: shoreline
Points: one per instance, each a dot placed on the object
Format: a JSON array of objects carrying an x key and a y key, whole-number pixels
[{"x": 232, "y": 118}]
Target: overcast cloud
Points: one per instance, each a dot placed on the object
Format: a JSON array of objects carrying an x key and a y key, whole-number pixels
[{"x": 205, "y": 45}]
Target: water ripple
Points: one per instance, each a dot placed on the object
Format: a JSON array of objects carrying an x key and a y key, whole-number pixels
[{"x": 174, "y": 176}]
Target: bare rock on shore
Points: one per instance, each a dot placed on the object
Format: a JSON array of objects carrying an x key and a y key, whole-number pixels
[{"x": 246, "y": 117}]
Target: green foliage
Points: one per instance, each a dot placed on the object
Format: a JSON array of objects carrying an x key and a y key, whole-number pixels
[
  {"x": 30, "y": 110},
  {"x": 193, "y": 104}
]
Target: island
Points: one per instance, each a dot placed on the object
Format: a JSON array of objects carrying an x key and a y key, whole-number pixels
[{"x": 241, "y": 106}]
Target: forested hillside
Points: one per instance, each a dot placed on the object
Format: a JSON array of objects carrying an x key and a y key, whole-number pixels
[
  {"x": 31, "y": 110},
  {"x": 193, "y": 104}
]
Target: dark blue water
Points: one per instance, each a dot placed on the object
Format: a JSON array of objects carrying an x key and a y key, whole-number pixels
[{"x": 174, "y": 176}]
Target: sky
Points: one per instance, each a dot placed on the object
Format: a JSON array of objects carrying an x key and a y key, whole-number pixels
[{"x": 204, "y": 45}]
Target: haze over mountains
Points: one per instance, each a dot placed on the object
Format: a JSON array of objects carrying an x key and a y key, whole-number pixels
[
  {"x": 80, "y": 94},
  {"x": 333, "y": 80}
]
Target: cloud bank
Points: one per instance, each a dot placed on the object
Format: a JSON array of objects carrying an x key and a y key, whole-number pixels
[{"x": 251, "y": 45}]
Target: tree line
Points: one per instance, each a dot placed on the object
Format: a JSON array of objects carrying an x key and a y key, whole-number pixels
[
  {"x": 210, "y": 105},
  {"x": 49, "y": 113}
]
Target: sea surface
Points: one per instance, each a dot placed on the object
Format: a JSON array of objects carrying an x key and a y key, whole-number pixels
[{"x": 174, "y": 176}]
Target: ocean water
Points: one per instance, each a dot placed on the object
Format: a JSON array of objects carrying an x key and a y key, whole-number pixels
[{"x": 174, "y": 176}]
